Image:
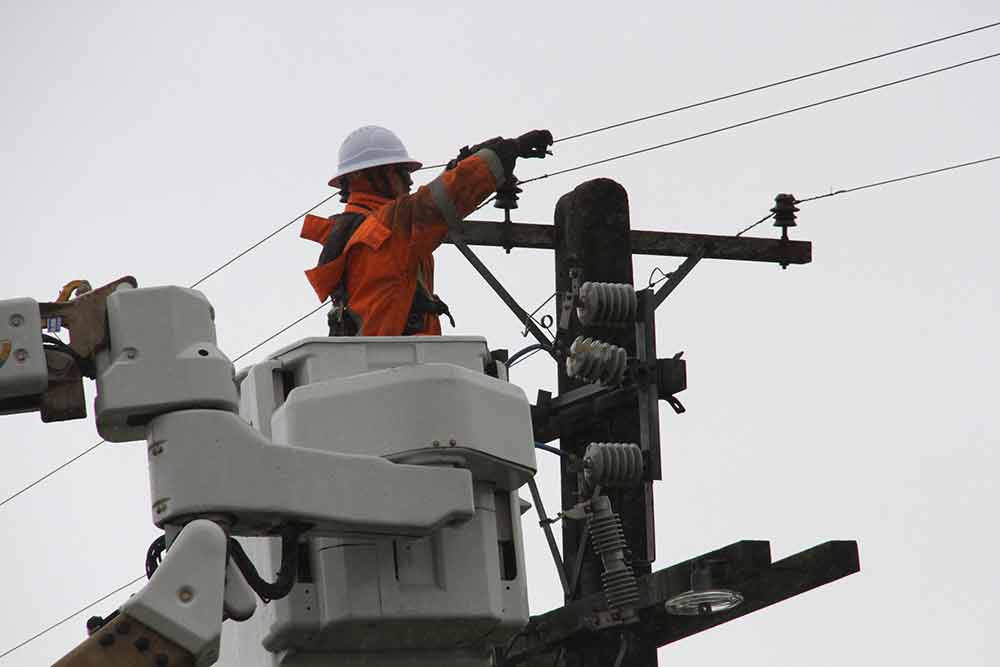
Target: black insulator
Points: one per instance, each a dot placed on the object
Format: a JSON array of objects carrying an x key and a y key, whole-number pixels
[
  {"x": 507, "y": 197},
  {"x": 784, "y": 210}
]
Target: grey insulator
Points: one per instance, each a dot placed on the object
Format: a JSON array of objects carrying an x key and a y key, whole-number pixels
[
  {"x": 620, "y": 586},
  {"x": 606, "y": 304},
  {"x": 594, "y": 361},
  {"x": 613, "y": 464}
]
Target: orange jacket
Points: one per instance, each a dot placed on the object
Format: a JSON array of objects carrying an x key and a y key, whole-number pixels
[{"x": 394, "y": 244}]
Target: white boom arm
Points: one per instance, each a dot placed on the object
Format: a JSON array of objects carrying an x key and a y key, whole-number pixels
[{"x": 161, "y": 377}]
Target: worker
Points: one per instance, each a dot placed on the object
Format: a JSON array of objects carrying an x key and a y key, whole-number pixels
[{"x": 376, "y": 265}]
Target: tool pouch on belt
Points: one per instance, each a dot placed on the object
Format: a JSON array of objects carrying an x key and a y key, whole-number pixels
[
  {"x": 341, "y": 320},
  {"x": 424, "y": 303}
]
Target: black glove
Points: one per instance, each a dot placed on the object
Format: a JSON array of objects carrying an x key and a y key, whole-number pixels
[
  {"x": 534, "y": 143},
  {"x": 505, "y": 149}
]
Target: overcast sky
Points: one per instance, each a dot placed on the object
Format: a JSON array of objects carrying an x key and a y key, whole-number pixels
[{"x": 852, "y": 398}]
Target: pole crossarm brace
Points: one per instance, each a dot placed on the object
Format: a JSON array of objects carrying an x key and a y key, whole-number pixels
[
  {"x": 676, "y": 276},
  {"x": 752, "y": 574},
  {"x": 520, "y": 313},
  {"x": 665, "y": 244}
]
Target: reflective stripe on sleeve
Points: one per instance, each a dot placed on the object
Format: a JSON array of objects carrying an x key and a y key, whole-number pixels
[
  {"x": 443, "y": 201},
  {"x": 491, "y": 159}
]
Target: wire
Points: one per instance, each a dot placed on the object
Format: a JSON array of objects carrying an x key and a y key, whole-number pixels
[
  {"x": 552, "y": 450},
  {"x": 898, "y": 179},
  {"x": 654, "y": 283},
  {"x": 763, "y": 118},
  {"x": 483, "y": 204},
  {"x": 52, "y": 472},
  {"x": 877, "y": 184},
  {"x": 193, "y": 285},
  {"x": 280, "y": 331},
  {"x": 686, "y": 107},
  {"x": 262, "y": 241},
  {"x": 287, "y": 572},
  {"x": 782, "y": 82},
  {"x": 154, "y": 555},
  {"x": 535, "y": 349},
  {"x": 75, "y": 613},
  {"x": 762, "y": 220},
  {"x": 541, "y": 323}
]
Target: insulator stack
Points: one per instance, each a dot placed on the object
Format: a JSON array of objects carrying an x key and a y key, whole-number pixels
[
  {"x": 606, "y": 304},
  {"x": 613, "y": 464},
  {"x": 594, "y": 361},
  {"x": 620, "y": 586}
]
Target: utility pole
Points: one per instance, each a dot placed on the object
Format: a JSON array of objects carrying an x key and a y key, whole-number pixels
[{"x": 594, "y": 243}]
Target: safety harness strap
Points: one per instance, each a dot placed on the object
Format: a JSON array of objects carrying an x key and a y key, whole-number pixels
[{"x": 341, "y": 319}]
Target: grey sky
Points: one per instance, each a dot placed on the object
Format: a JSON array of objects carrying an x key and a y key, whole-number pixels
[{"x": 850, "y": 398}]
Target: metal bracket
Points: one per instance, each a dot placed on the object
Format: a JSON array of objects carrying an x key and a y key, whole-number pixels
[
  {"x": 568, "y": 300},
  {"x": 520, "y": 313}
]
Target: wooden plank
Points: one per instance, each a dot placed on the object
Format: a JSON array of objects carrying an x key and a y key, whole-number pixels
[
  {"x": 574, "y": 622},
  {"x": 761, "y": 583},
  {"x": 784, "y": 579},
  {"x": 665, "y": 244}
]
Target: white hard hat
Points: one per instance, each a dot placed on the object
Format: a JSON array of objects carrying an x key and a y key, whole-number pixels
[{"x": 371, "y": 146}]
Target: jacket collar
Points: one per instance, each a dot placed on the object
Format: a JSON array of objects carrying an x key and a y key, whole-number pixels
[{"x": 365, "y": 202}]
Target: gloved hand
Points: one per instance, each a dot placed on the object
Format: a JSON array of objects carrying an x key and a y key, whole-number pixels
[
  {"x": 505, "y": 149},
  {"x": 534, "y": 143}
]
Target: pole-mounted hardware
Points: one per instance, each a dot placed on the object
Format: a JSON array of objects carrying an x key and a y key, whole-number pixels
[
  {"x": 606, "y": 304},
  {"x": 621, "y": 589},
  {"x": 708, "y": 594},
  {"x": 784, "y": 217},
  {"x": 612, "y": 464},
  {"x": 592, "y": 360},
  {"x": 506, "y": 199}
]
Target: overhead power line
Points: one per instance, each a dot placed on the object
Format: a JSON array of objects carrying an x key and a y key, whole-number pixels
[
  {"x": 877, "y": 184},
  {"x": 280, "y": 331},
  {"x": 261, "y": 242},
  {"x": 74, "y": 614},
  {"x": 52, "y": 472},
  {"x": 759, "y": 222},
  {"x": 759, "y": 119},
  {"x": 577, "y": 168},
  {"x": 96, "y": 445},
  {"x": 775, "y": 84},
  {"x": 764, "y": 86},
  {"x": 728, "y": 96},
  {"x": 898, "y": 179}
]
